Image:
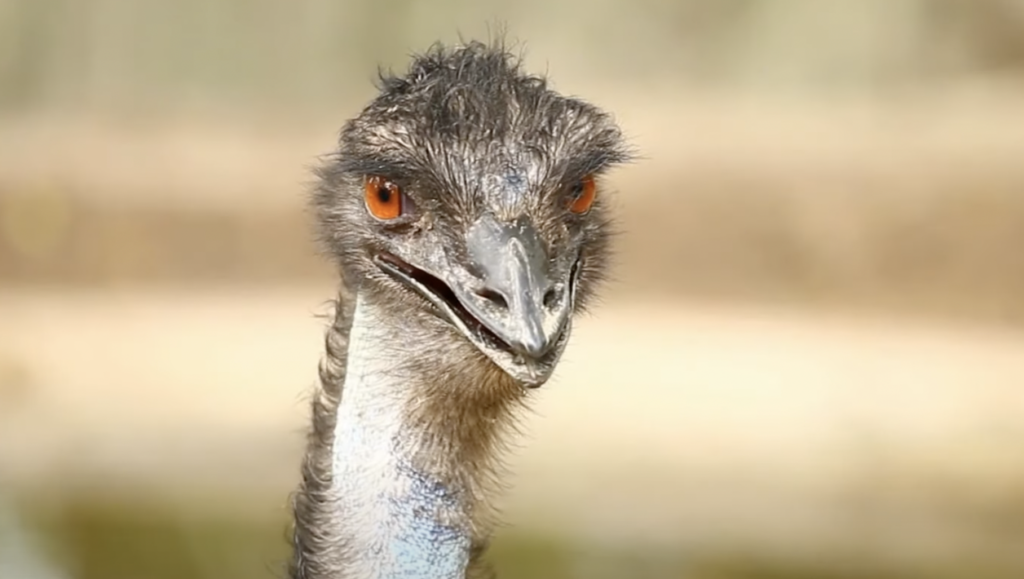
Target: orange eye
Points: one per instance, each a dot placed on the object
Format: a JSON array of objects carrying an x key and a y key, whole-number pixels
[
  {"x": 583, "y": 195},
  {"x": 383, "y": 198}
]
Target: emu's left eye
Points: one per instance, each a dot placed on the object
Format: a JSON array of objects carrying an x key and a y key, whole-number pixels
[
  {"x": 383, "y": 198},
  {"x": 583, "y": 195}
]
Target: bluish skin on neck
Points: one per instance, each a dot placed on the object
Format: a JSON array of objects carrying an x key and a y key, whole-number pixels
[
  {"x": 411, "y": 526},
  {"x": 399, "y": 520},
  {"x": 421, "y": 545},
  {"x": 418, "y": 525}
]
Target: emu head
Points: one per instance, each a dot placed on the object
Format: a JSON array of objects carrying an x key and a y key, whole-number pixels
[{"x": 470, "y": 191}]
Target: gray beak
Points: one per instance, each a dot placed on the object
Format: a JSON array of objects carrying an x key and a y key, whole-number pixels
[
  {"x": 511, "y": 301},
  {"x": 515, "y": 297}
]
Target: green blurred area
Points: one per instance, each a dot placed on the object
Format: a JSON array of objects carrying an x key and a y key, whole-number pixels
[
  {"x": 144, "y": 56},
  {"x": 104, "y": 540}
]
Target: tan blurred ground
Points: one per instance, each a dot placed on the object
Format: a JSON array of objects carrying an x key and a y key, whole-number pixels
[{"x": 667, "y": 424}]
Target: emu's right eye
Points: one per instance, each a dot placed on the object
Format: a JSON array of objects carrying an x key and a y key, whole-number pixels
[
  {"x": 383, "y": 198},
  {"x": 583, "y": 195}
]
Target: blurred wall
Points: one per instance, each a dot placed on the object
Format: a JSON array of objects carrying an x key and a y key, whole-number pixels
[
  {"x": 878, "y": 137},
  {"x": 118, "y": 55}
]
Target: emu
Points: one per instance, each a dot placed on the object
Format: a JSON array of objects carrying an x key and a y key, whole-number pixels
[{"x": 463, "y": 209}]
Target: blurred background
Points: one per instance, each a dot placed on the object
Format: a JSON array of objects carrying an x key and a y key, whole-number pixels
[{"x": 809, "y": 365}]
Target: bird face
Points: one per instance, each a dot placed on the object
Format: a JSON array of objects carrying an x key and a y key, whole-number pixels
[
  {"x": 498, "y": 277},
  {"x": 471, "y": 191}
]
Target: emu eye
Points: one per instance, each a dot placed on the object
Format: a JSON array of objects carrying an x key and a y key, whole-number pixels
[
  {"x": 583, "y": 195},
  {"x": 383, "y": 198}
]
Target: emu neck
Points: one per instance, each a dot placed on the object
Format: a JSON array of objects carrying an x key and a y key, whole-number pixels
[{"x": 415, "y": 431}]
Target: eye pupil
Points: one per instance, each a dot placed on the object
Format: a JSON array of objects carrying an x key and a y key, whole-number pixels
[{"x": 384, "y": 194}]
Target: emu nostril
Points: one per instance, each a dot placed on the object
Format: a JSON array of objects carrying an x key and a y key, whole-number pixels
[
  {"x": 494, "y": 297},
  {"x": 550, "y": 297}
]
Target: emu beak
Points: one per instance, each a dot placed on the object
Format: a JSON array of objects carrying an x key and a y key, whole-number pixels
[
  {"x": 513, "y": 302},
  {"x": 516, "y": 297}
]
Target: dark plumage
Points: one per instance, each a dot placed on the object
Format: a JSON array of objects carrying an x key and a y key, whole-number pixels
[
  {"x": 481, "y": 270},
  {"x": 462, "y": 127}
]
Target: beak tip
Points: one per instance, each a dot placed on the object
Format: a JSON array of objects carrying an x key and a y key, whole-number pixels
[
  {"x": 533, "y": 350},
  {"x": 533, "y": 345}
]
